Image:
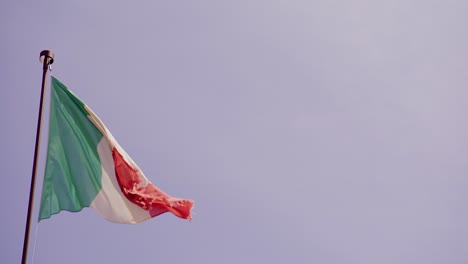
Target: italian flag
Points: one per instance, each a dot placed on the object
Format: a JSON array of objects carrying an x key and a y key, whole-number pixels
[{"x": 86, "y": 167}]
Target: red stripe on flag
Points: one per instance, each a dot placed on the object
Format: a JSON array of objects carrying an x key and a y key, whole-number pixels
[{"x": 148, "y": 197}]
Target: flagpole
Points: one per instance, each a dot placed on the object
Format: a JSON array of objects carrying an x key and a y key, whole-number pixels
[{"x": 47, "y": 58}]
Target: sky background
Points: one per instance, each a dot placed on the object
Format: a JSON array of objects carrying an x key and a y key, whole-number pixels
[{"x": 331, "y": 132}]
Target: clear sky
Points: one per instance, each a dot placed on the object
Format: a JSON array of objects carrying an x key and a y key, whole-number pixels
[{"x": 331, "y": 132}]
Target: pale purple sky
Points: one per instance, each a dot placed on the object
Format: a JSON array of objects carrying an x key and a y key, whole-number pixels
[{"x": 331, "y": 132}]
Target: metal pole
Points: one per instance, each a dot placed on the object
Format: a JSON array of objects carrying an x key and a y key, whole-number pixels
[{"x": 47, "y": 58}]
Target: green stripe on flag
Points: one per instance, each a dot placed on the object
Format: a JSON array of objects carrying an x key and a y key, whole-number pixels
[{"x": 72, "y": 177}]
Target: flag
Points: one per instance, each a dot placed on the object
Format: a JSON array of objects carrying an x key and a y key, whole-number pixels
[{"x": 86, "y": 167}]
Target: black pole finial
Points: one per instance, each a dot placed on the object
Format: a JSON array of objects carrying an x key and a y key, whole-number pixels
[{"x": 47, "y": 57}]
